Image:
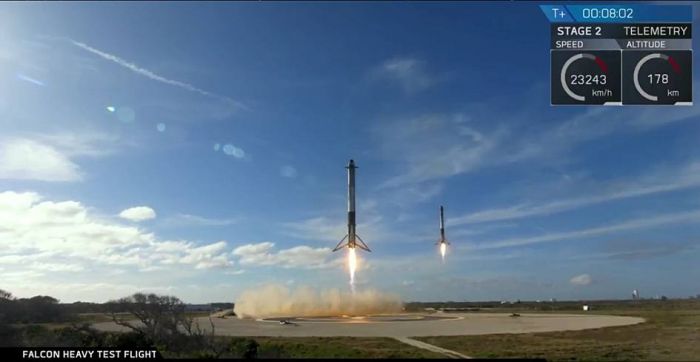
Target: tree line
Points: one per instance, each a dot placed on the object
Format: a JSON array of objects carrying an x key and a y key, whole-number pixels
[{"x": 150, "y": 321}]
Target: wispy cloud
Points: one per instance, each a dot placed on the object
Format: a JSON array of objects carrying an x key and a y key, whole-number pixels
[
  {"x": 50, "y": 157},
  {"x": 408, "y": 196},
  {"x": 188, "y": 220},
  {"x": 482, "y": 229},
  {"x": 437, "y": 146},
  {"x": 233, "y": 151},
  {"x": 151, "y": 75},
  {"x": 26, "y": 159},
  {"x": 581, "y": 280},
  {"x": 632, "y": 249},
  {"x": 288, "y": 171},
  {"x": 434, "y": 146},
  {"x": 662, "y": 249},
  {"x": 594, "y": 123},
  {"x": 409, "y": 73},
  {"x": 264, "y": 254},
  {"x": 667, "y": 181},
  {"x": 641, "y": 223},
  {"x": 29, "y": 79},
  {"x": 330, "y": 230},
  {"x": 317, "y": 229},
  {"x": 87, "y": 143}
]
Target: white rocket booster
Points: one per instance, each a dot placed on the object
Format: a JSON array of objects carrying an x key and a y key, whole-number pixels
[
  {"x": 352, "y": 238},
  {"x": 442, "y": 228}
]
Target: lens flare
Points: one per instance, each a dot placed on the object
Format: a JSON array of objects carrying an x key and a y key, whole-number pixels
[
  {"x": 443, "y": 250},
  {"x": 352, "y": 264}
]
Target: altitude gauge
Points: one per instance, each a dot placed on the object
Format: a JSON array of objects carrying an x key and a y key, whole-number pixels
[
  {"x": 658, "y": 77},
  {"x": 586, "y": 77}
]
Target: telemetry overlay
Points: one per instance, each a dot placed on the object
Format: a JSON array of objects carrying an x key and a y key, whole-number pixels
[{"x": 621, "y": 54}]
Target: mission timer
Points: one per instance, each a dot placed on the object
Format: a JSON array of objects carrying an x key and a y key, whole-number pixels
[{"x": 621, "y": 54}]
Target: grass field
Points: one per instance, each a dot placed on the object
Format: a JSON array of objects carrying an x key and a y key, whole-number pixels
[
  {"x": 334, "y": 347},
  {"x": 98, "y": 318},
  {"x": 671, "y": 332}
]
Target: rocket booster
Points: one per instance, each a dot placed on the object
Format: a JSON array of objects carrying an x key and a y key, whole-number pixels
[
  {"x": 442, "y": 228},
  {"x": 351, "y": 240}
]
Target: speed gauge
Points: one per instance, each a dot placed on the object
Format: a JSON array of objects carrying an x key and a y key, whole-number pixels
[{"x": 585, "y": 77}]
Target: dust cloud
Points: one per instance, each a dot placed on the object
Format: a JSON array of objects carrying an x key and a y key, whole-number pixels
[{"x": 279, "y": 301}]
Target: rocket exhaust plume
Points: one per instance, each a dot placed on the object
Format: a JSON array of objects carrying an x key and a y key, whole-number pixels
[
  {"x": 442, "y": 242},
  {"x": 353, "y": 240},
  {"x": 352, "y": 265},
  {"x": 279, "y": 301}
]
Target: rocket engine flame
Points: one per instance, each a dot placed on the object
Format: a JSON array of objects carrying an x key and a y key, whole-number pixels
[
  {"x": 352, "y": 265},
  {"x": 443, "y": 250}
]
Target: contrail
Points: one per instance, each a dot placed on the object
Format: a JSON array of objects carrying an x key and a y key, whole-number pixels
[
  {"x": 30, "y": 79},
  {"x": 149, "y": 74}
]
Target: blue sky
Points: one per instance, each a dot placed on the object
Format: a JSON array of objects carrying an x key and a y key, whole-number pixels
[{"x": 198, "y": 150}]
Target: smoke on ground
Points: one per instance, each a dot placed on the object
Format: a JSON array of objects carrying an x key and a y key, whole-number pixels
[{"x": 279, "y": 301}]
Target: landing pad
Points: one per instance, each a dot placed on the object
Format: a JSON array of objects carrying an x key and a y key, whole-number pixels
[{"x": 405, "y": 325}]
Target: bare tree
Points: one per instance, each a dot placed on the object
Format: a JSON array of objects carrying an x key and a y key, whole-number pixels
[
  {"x": 5, "y": 295},
  {"x": 6, "y": 305},
  {"x": 157, "y": 316},
  {"x": 163, "y": 320}
]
